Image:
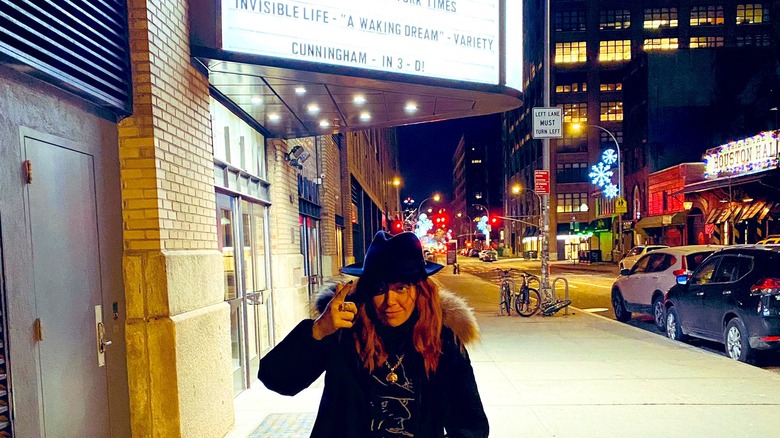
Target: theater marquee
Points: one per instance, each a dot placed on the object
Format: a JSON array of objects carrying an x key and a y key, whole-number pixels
[
  {"x": 749, "y": 155},
  {"x": 442, "y": 39}
]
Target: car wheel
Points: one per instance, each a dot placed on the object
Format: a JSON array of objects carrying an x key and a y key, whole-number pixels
[
  {"x": 673, "y": 327},
  {"x": 659, "y": 313},
  {"x": 619, "y": 306},
  {"x": 735, "y": 338}
]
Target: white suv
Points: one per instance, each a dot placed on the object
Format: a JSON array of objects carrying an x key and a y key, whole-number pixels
[
  {"x": 636, "y": 252},
  {"x": 643, "y": 288}
]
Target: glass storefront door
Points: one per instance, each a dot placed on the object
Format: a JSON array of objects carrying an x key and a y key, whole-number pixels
[
  {"x": 242, "y": 241},
  {"x": 310, "y": 248}
]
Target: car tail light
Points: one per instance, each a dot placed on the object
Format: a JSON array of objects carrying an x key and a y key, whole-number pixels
[
  {"x": 766, "y": 285},
  {"x": 683, "y": 270}
]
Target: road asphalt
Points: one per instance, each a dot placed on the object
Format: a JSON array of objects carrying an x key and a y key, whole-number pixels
[{"x": 575, "y": 375}]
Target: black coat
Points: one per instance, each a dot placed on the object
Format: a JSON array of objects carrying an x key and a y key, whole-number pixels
[{"x": 449, "y": 399}]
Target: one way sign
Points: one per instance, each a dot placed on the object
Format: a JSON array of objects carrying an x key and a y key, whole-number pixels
[{"x": 547, "y": 123}]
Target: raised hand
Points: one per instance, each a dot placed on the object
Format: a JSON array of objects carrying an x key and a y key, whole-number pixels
[{"x": 338, "y": 313}]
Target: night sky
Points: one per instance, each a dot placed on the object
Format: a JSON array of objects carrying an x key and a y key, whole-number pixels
[{"x": 426, "y": 152}]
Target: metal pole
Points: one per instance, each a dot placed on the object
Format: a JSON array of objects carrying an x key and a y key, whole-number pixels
[{"x": 545, "y": 280}]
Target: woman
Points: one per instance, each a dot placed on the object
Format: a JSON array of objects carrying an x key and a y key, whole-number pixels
[{"x": 392, "y": 349}]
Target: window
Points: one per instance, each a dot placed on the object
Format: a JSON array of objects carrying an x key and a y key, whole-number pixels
[
  {"x": 575, "y": 112},
  {"x": 611, "y": 87},
  {"x": 661, "y": 44},
  {"x": 711, "y": 15},
  {"x": 575, "y": 87},
  {"x": 619, "y": 50},
  {"x": 732, "y": 268},
  {"x": 570, "y": 20},
  {"x": 571, "y": 202},
  {"x": 752, "y": 13},
  {"x": 571, "y": 173},
  {"x": 702, "y": 42},
  {"x": 611, "y": 111},
  {"x": 758, "y": 40},
  {"x": 476, "y": 161},
  {"x": 656, "y": 18},
  {"x": 606, "y": 141},
  {"x": 614, "y": 19},
  {"x": 703, "y": 274},
  {"x": 568, "y": 53},
  {"x": 572, "y": 141}
]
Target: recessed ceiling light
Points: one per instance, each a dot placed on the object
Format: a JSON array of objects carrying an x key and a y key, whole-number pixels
[
  {"x": 313, "y": 108},
  {"x": 256, "y": 100},
  {"x": 324, "y": 123},
  {"x": 273, "y": 117},
  {"x": 410, "y": 107},
  {"x": 300, "y": 90},
  {"x": 365, "y": 116},
  {"x": 359, "y": 99}
]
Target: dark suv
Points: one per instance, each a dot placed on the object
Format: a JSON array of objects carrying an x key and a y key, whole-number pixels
[{"x": 733, "y": 298}]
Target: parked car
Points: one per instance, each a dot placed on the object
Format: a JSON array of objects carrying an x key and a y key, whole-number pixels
[
  {"x": 473, "y": 252},
  {"x": 642, "y": 288},
  {"x": 635, "y": 253},
  {"x": 488, "y": 255},
  {"x": 772, "y": 239},
  {"x": 733, "y": 298}
]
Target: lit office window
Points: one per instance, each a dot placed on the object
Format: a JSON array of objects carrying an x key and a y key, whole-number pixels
[
  {"x": 752, "y": 13},
  {"x": 575, "y": 112},
  {"x": 571, "y": 202},
  {"x": 613, "y": 19},
  {"x": 568, "y": 53},
  {"x": 574, "y": 87},
  {"x": 758, "y": 40},
  {"x": 619, "y": 50},
  {"x": 711, "y": 15},
  {"x": 661, "y": 44},
  {"x": 611, "y": 87},
  {"x": 656, "y": 18},
  {"x": 611, "y": 111},
  {"x": 568, "y": 21},
  {"x": 704, "y": 42}
]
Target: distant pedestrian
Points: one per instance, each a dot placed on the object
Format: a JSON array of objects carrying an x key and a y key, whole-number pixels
[{"x": 392, "y": 348}]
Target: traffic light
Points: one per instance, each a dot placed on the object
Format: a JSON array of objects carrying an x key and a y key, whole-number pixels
[{"x": 495, "y": 221}]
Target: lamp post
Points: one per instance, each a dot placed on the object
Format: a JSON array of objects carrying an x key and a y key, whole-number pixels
[
  {"x": 487, "y": 228},
  {"x": 460, "y": 215},
  {"x": 619, "y": 164},
  {"x": 517, "y": 188}
]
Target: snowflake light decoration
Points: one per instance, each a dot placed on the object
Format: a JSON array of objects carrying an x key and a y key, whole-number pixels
[
  {"x": 423, "y": 225},
  {"x": 600, "y": 174},
  {"x": 609, "y": 157},
  {"x": 610, "y": 191},
  {"x": 482, "y": 224}
]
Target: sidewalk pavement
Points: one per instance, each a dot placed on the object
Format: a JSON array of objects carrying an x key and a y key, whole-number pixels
[{"x": 579, "y": 375}]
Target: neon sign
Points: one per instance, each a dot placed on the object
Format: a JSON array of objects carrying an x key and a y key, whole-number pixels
[{"x": 749, "y": 155}]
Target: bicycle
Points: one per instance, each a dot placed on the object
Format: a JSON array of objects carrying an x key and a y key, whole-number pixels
[
  {"x": 551, "y": 304},
  {"x": 526, "y": 301}
]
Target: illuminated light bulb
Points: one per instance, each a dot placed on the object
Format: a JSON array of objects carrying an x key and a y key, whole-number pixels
[
  {"x": 313, "y": 108},
  {"x": 365, "y": 116},
  {"x": 324, "y": 123},
  {"x": 359, "y": 99},
  {"x": 256, "y": 100},
  {"x": 300, "y": 90},
  {"x": 410, "y": 107},
  {"x": 273, "y": 117}
]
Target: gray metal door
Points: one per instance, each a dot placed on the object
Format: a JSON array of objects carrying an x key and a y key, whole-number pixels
[{"x": 63, "y": 226}]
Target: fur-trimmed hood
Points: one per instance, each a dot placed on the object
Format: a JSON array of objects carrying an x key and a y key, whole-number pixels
[{"x": 457, "y": 315}]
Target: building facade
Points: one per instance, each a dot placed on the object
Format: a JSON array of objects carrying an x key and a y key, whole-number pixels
[{"x": 592, "y": 47}]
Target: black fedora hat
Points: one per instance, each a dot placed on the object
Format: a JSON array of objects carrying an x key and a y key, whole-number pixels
[{"x": 391, "y": 259}]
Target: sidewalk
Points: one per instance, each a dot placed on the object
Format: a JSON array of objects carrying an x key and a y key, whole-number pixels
[{"x": 579, "y": 375}]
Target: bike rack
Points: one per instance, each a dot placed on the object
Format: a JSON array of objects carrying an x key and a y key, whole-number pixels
[{"x": 566, "y": 289}]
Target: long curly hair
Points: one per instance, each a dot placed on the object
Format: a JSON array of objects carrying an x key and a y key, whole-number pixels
[{"x": 426, "y": 335}]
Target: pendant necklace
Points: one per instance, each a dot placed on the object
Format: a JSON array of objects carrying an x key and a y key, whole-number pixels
[{"x": 392, "y": 377}]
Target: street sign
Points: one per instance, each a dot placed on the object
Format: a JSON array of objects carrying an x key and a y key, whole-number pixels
[
  {"x": 547, "y": 123},
  {"x": 542, "y": 182},
  {"x": 621, "y": 206}
]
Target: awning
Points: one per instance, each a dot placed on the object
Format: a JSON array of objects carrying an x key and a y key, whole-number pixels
[
  {"x": 603, "y": 224},
  {"x": 660, "y": 221},
  {"x": 770, "y": 206},
  {"x": 714, "y": 214},
  {"x": 750, "y": 211},
  {"x": 718, "y": 183}
]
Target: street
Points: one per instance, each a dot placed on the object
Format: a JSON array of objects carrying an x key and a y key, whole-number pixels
[{"x": 589, "y": 291}]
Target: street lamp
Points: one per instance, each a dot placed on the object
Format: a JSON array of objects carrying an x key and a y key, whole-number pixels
[
  {"x": 416, "y": 213},
  {"x": 517, "y": 188},
  {"x": 619, "y": 164},
  {"x": 460, "y": 215},
  {"x": 397, "y": 184}
]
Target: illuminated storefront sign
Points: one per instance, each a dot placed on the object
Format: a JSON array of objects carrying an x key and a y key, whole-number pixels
[
  {"x": 749, "y": 155},
  {"x": 443, "y": 39}
]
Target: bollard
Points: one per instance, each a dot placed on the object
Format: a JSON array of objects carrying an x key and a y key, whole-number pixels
[{"x": 456, "y": 268}]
